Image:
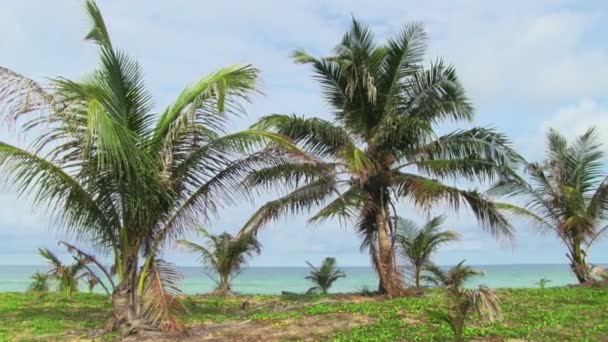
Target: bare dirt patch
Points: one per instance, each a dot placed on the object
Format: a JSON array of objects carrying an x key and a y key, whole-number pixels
[{"x": 305, "y": 328}]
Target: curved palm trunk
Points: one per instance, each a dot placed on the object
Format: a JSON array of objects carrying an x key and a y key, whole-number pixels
[{"x": 390, "y": 279}]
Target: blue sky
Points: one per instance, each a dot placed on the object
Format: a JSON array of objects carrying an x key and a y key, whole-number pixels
[{"x": 527, "y": 65}]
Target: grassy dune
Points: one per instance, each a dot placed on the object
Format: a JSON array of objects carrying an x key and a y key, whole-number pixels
[{"x": 553, "y": 314}]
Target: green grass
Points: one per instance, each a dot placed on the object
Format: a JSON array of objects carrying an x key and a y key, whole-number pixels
[{"x": 553, "y": 314}]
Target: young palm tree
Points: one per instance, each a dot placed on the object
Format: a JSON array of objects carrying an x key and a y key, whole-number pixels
[
  {"x": 67, "y": 276},
  {"x": 419, "y": 243},
  {"x": 381, "y": 146},
  {"x": 324, "y": 276},
  {"x": 542, "y": 282},
  {"x": 40, "y": 282},
  {"x": 113, "y": 172},
  {"x": 566, "y": 194},
  {"x": 461, "y": 303},
  {"x": 225, "y": 255}
]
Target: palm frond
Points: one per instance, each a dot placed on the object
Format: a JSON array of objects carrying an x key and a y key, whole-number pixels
[
  {"x": 315, "y": 135},
  {"x": 428, "y": 192},
  {"x": 99, "y": 32},
  {"x": 20, "y": 95},
  {"x": 303, "y": 198},
  {"x": 162, "y": 304}
]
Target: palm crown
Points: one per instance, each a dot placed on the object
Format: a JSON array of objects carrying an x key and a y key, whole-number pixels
[{"x": 381, "y": 146}]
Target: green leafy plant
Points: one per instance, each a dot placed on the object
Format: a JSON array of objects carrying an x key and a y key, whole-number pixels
[
  {"x": 225, "y": 256},
  {"x": 67, "y": 276},
  {"x": 323, "y": 277},
  {"x": 381, "y": 146},
  {"x": 40, "y": 282},
  {"x": 417, "y": 244},
  {"x": 567, "y": 194},
  {"x": 461, "y": 303},
  {"x": 121, "y": 174}
]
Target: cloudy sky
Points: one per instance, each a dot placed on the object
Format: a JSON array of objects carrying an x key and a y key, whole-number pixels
[{"x": 527, "y": 65}]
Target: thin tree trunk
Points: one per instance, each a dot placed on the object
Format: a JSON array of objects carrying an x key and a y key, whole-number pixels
[
  {"x": 125, "y": 309},
  {"x": 578, "y": 265},
  {"x": 223, "y": 287},
  {"x": 389, "y": 277},
  {"x": 417, "y": 277}
]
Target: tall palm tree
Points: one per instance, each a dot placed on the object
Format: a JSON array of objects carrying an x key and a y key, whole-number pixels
[
  {"x": 566, "y": 194},
  {"x": 417, "y": 244},
  {"x": 325, "y": 276},
  {"x": 67, "y": 276},
  {"x": 225, "y": 255},
  {"x": 112, "y": 171},
  {"x": 381, "y": 146}
]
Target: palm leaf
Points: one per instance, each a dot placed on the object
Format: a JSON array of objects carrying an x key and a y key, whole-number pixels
[{"x": 162, "y": 304}]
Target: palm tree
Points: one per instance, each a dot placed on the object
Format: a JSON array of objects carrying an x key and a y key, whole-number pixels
[
  {"x": 225, "y": 255},
  {"x": 381, "y": 146},
  {"x": 566, "y": 194},
  {"x": 67, "y": 276},
  {"x": 542, "y": 283},
  {"x": 40, "y": 282},
  {"x": 324, "y": 276},
  {"x": 112, "y": 171},
  {"x": 419, "y": 243},
  {"x": 460, "y": 302}
]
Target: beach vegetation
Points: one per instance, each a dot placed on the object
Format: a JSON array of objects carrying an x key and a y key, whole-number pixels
[
  {"x": 417, "y": 244},
  {"x": 66, "y": 275},
  {"x": 461, "y": 302},
  {"x": 325, "y": 276},
  {"x": 224, "y": 256},
  {"x": 39, "y": 282}
]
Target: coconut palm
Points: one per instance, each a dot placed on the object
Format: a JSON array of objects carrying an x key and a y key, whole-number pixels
[
  {"x": 324, "y": 276},
  {"x": 417, "y": 244},
  {"x": 67, "y": 276},
  {"x": 225, "y": 255},
  {"x": 113, "y": 172},
  {"x": 381, "y": 146},
  {"x": 461, "y": 303},
  {"x": 566, "y": 194},
  {"x": 542, "y": 282},
  {"x": 40, "y": 282}
]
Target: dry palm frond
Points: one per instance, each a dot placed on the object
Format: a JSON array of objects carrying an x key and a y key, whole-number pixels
[
  {"x": 162, "y": 305},
  {"x": 20, "y": 95},
  {"x": 485, "y": 302}
]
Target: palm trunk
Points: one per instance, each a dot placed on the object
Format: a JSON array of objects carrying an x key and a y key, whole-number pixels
[
  {"x": 125, "y": 308},
  {"x": 578, "y": 264},
  {"x": 389, "y": 277},
  {"x": 223, "y": 287},
  {"x": 417, "y": 272}
]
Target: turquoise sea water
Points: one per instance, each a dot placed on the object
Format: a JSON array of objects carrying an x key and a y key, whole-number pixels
[{"x": 273, "y": 280}]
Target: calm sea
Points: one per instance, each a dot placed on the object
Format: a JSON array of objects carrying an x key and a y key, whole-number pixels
[{"x": 273, "y": 280}]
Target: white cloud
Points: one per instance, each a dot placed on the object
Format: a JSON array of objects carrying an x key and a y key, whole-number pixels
[{"x": 575, "y": 120}]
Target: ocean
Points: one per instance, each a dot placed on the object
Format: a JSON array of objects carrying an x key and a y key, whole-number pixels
[{"x": 273, "y": 280}]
